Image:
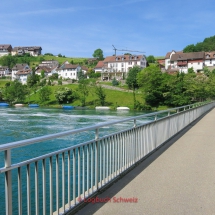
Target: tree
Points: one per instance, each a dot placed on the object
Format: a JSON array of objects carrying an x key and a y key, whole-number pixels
[
  {"x": 32, "y": 79},
  {"x": 99, "y": 54},
  {"x": 81, "y": 76},
  {"x": 43, "y": 74},
  {"x": 99, "y": 91},
  {"x": 64, "y": 95},
  {"x": 44, "y": 94},
  {"x": 150, "y": 59},
  {"x": 83, "y": 89},
  {"x": 14, "y": 92},
  {"x": 131, "y": 81}
]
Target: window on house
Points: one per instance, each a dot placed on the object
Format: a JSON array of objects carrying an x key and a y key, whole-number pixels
[
  {"x": 122, "y": 64},
  {"x": 210, "y": 61},
  {"x": 65, "y": 74},
  {"x": 122, "y": 69}
]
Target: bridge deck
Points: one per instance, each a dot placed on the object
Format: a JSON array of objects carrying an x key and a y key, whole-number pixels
[{"x": 179, "y": 181}]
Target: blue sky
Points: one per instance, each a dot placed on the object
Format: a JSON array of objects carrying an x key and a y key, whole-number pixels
[{"x": 76, "y": 28}]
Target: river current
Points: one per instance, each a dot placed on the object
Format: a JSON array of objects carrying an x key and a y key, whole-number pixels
[{"x": 24, "y": 123}]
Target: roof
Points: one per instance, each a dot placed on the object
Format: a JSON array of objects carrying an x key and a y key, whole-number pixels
[
  {"x": 45, "y": 68},
  {"x": 122, "y": 58},
  {"x": 29, "y": 48},
  {"x": 24, "y": 72},
  {"x": 5, "y": 46},
  {"x": 187, "y": 56},
  {"x": 100, "y": 64},
  {"x": 84, "y": 68},
  {"x": 68, "y": 66},
  {"x": 3, "y": 68},
  {"x": 210, "y": 54},
  {"x": 19, "y": 66},
  {"x": 169, "y": 53}
]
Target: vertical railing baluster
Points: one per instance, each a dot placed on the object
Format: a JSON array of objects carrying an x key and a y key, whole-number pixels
[
  {"x": 63, "y": 180},
  {"x": 44, "y": 185},
  {"x": 69, "y": 180},
  {"x": 20, "y": 190},
  {"x": 83, "y": 171},
  {"x": 100, "y": 162},
  {"x": 57, "y": 184},
  {"x": 36, "y": 175},
  {"x": 91, "y": 168},
  {"x": 74, "y": 176},
  {"x": 8, "y": 183},
  {"x": 28, "y": 190},
  {"x": 51, "y": 184},
  {"x": 88, "y": 168},
  {"x": 79, "y": 173}
]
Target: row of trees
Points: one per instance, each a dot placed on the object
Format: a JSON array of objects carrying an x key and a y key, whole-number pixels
[
  {"x": 171, "y": 90},
  {"x": 207, "y": 45}
]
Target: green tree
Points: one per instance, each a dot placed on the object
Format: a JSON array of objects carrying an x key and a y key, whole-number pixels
[
  {"x": 150, "y": 59},
  {"x": 44, "y": 94},
  {"x": 14, "y": 92},
  {"x": 43, "y": 74},
  {"x": 99, "y": 91},
  {"x": 64, "y": 95},
  {"x": 131, "y": 81},
  {"x": 32, "y": 79},
  {"x": 83, "y": 90},
  {"x": 98, "y": 53}
]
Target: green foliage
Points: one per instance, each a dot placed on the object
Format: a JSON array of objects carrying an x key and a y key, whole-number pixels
[
  {"x": 50, "y": 54},
  {"x": 150, "y": 59},
  {"x": 54, "y": 76},
  {"x": 115, "y": 82},
  {"x": 131, "y": 79},
  {"x": 206, "y": 71},
  {"x": 99, "y": 91},
  {"x": 43, "y": 74},
  {"x": 83, "y": 90},
  {"x": 99, "y": 54},
  {"x": 32, "y": 79},
  {"x": 64, "y": 95},
  {"x": 14, "y": 92},
  {"x": 60, "y": 82},
  {"x": 44, "y": 94},
  {"x": 81, "y": 76},
  {"x": 59, "y": 55},
  {"x": 207, "y": 45}
]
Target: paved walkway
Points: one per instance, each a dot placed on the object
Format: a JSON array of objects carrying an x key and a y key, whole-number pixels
[{"x": 179, "y": 178}]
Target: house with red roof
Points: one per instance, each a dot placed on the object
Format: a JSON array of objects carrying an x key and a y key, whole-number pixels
[{"x": 118, "y": 66}]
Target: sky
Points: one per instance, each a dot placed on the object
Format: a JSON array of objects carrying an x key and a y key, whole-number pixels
[{"x": 77, "y": 28}]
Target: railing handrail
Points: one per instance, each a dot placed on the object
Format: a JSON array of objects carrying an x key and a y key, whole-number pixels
[{"x": 30, "y": 141}]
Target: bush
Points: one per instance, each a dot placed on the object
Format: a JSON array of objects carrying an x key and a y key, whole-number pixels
[{"x": 115, "y": 82}]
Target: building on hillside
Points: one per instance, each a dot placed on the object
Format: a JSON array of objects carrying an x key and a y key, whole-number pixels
[
  {"x": 49, "y": 63},
  {"x": 48, "y": 71},
  {"x": 32, "y": 50},
  {"x": 68, "y": 71},
  {"x": 99, "y": 67},
  {"x": 118, "y": 66},
  {"x": 210, "y": 59},
  {"x": 181, "y": 62},
  {"x": 22, "y": 75},
  {"x": 168, "y": 57},
  {"x": 5, "y": 71},
  {"x": 18, "y": 67},
  {"x": 5, "y": 49}
]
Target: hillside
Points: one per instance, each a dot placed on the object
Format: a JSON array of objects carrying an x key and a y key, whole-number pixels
[{"x": 208, "y": 44}]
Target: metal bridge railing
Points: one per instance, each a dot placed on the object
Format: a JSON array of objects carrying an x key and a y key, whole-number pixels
[{"x": 57, "y": 182}]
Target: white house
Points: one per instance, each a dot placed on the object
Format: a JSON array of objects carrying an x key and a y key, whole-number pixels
[
  {"x": 22, "y": 75},
  {"x": 67, "y": 70},
  {"x": 118, "y": 66},
  {"x": 5, "y": 71},
  {"x": 210, "y": 59},
  {"x": 5, "y": 49},
  {"x": 32, "y": 50},
  {"x": 181, "y": 62},
  {"x": 18, "y": 67}
]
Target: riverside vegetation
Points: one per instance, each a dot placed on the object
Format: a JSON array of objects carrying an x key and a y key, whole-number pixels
[{"x": 149, "y": 89}]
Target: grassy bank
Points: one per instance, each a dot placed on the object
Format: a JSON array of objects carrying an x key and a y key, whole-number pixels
[{"x": 114, "y": 98}]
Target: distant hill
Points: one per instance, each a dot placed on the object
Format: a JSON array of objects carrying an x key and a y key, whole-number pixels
[{"x": 207, "y": 45}]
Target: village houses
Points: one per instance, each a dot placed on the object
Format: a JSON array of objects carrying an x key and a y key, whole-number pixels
[{"x": 118, "y": 66}]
